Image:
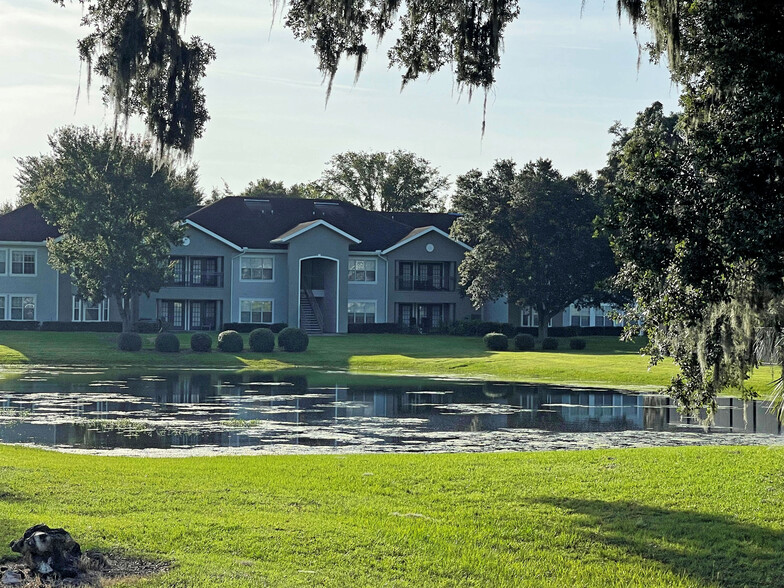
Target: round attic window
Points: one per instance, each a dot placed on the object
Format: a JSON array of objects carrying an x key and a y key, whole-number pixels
[
  {"x": 186, "y": 241},
  {"x": 429, "y": 247}
]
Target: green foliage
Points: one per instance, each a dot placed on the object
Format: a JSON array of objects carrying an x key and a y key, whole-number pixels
[
  {"x": 167, "y": 343},
  {"x": 230, "y": 342},
  {"x": 117, "y": 211},
  {"x": 293, "y": 339},
  {"x": 496, "y": 341},
  {"x": 201, "y": 343},
  {"x": 524, "y": 342},
  {"x": 129, "y": 342},
  {"x": 533, "y": 237},
  {"x": 549, "y": 344},
  {"x": 261, "y": 340},
  {"x": 394, "y": 181},
  {"x": 576, "y": 344}
]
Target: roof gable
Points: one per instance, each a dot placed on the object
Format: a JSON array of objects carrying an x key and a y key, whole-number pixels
[
  {"x": 26, "y": 225},
  {"x": 307, "y": 226},
  {"x": 420, "y": 232}
]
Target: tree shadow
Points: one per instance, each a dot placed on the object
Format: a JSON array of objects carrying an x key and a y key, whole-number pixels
[{"x": 706, "y": 547}]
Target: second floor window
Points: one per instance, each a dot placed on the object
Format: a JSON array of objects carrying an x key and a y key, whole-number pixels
[
  {"x": 361, "y": 270},
  {"x": 22, "y": 263},
  {"x": 3, "y": 266},
  {"x": 255, "y": 267},
  {"x": 178, "y": 270}
]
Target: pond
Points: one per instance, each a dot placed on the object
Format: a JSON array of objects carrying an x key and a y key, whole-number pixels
[{"x": 193, "y": 412}]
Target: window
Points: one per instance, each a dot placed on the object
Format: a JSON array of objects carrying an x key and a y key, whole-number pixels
[
  {"x": 253, "y": 267},
  {"x": 361, "y": 312},
  {"x": 22, "y": 308},
  {"x": 177, "y": 265},
  {"x": 84, "y": 311},
  {"x": 529, "y": 317},
  {"x": 22, "y": 263},
  {"x": 255, "y": 311},
  {"x": 3, "y": 262},
  {"x": 581, "y": 317},
  {"x": 2, "y": 308},
  {"x": 361, "y": 270}
]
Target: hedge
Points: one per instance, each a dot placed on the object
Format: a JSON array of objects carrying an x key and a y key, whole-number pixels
[
  {"x": 248, "y": 327},
  {"x": 95, "y": 327},
  {"x": 377, "y": 328}
]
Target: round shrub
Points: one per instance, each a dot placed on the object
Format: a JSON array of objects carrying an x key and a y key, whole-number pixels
[
  {"x": 201, "y": 342},
  {"x": 496, "y": 341},
  {"x": 167, "y": 343},
  {"x": 293, "y": 339},
  {"x": 549, "y": 343},
  {"x": 129, "y": 342},
  {"x": 576, "y": 343},
  {"x": 230, "y": 342},
  {"x": 261, "y": 340},
  {"x": 524, "y": 342}
]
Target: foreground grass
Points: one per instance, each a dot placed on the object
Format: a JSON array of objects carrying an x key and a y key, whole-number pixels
[
  {"x": 651, "y": 517},
  {"x": 606, "y": 361}
]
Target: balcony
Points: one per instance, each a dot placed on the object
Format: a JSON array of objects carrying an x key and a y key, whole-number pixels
[
  {"x": 429, "y": 284},
  {"x": 198, "y": 280}
]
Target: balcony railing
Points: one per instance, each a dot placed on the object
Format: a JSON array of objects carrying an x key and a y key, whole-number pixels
[
  {"x": 431, "y": 284},
  {"x": 199, "y": 280}
]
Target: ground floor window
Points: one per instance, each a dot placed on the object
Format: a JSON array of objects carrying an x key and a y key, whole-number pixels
[
  {"x": 529, "y": 317},
  {"x": 424, "y": 317},
  {"x": 255, "y": 311},
  {"x": 85, "y": 311},
  {"x": 2, "y": 308},
  {"x": 361, "y": 312},
  {"x": 22, "y": 308}
]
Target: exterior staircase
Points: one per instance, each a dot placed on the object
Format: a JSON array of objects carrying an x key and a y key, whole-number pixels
[{"x": 309, "y": 319}]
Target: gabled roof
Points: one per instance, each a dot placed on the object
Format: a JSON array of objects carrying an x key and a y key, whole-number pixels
[
  {"x": 305, "y": 227},
  {"x": 25, "y": 224},
  {"x": 420, "y": 231}
]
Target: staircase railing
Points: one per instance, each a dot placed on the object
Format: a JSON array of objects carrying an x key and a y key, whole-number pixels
[{"x": 316, "y": 308}]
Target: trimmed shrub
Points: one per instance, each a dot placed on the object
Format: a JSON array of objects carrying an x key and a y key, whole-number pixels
[
  {"x": 496, "y": 341},
  {"x": 230, "y": 342},
  {"x": 464, "y": 328},
  {"x": 576, "y": 343},
  {"x": 18, "y": 325},
  {"x": 248, "y": 327},
  {"x": 129, "y": 342},
  {"x": 375, "y": 328},
  {"x": 66, "y": 327},
  {"x": 261, "y": 340},
  {"x": 167, "y": 343},
  {"x": 549, "y": 343},
  {"x": 524, "y": 342},
  {"x": 486, "y": 327},
  {"x": 147, "y": 327},
  {"x": 201, "y": 342},
  {"x": 293, "y": 339}
]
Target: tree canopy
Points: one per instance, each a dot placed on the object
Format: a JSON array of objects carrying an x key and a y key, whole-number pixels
[
  {"x": 533, "y": 237},
  {"x": 116, "y": 210},
  {"x": 394, "y": 181}
]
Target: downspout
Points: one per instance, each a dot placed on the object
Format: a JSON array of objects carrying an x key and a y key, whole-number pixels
[{"x": 386, "y": 285}]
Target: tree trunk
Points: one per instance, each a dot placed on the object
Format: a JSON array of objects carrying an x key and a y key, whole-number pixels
[
  {"x": 126, "y": 313},
  {"x": 543, "y": 320}
]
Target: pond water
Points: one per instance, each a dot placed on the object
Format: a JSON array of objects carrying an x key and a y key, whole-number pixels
[{"x": 158, "y": 412}]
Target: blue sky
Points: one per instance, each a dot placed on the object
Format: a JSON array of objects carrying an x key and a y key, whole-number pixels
[{"x": 564, "y": 79}]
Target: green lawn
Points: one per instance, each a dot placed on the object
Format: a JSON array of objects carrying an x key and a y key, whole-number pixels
[
  {"x": 605, "y": 361},
  {"x": 653, "y": 517}
]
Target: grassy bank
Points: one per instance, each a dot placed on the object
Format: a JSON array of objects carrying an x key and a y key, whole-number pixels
[
  {"x": 652, "y": 517},
  {"x": 604, "y": 362}
]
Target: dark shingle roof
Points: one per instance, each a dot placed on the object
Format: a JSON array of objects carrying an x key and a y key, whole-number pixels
[
  {"x": 440, "y": 220},
  {"x": 25, "y": 224},
  {"x": 256, "y": 222}
]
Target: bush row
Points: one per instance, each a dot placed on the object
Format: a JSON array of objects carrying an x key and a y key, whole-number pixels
[
  {"x": 260, "y": 341},
  {"x": 526, "y": 342}
]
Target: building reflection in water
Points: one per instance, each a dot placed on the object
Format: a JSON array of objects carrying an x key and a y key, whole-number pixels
[{"x": 171, "y": 408}]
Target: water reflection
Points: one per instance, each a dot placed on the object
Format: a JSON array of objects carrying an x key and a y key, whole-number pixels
[{"x": 183, "y": 409}]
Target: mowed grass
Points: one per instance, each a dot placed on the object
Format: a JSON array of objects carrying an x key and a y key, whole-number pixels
[
  {"x": 629, "y": 518},
  {"x": 605, "y": 361}
]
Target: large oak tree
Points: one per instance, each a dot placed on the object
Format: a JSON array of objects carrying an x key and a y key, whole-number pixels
[{"x": 117, "y": 210}]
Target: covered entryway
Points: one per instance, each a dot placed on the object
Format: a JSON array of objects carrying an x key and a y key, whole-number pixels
[{"x": 318, "y": 302}]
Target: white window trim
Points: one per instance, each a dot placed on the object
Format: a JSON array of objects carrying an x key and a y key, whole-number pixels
[
  {"x": 4, "y": 254},
  {"x": 375, "y": 312},
  {"x": 82, "y": 303},
  {"x": 10, "y": 263},
  {"x": 350, "y": 259},
  {"x": 6, "y": 301},
  {"x": 272, "y": 308},
  {"x": 272, "y": 279},
  {"x": 35, "y": 307}
]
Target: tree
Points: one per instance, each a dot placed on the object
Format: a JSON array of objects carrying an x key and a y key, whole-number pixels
[
  {"x": 698, "y": 198},
  {"x": 533, "y": 237},
  {"x": 394, "y": 181},
  {"x": 265, "y": 187},
  {"x": 116, "y": 210}
]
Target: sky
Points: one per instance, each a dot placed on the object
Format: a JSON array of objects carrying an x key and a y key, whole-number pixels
[{"x": 566, "y": 76}]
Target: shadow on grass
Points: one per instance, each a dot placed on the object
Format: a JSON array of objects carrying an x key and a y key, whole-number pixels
[{"x": 705, "y": 547}]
